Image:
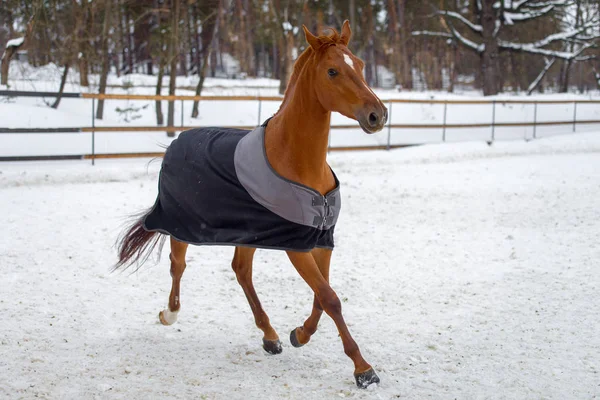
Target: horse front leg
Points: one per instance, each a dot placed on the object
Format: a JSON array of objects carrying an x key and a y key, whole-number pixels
[
  {"x": 301, "y": 335},
  {"x": 242, "y": 266},
  {"x": 307, "y": 267},
  {"x": 168, "y": 316}
]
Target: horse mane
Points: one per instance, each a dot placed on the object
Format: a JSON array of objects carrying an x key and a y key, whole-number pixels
[{"x": 326, "y": 41}]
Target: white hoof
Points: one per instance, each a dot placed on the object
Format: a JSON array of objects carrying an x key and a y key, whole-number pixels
[{"x": 168, "y": 317}]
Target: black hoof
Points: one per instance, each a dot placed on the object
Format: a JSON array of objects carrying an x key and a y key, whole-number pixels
[
  {"x": 294, "y": 339},
  {"x": 366, "y": 378},
  {"x": 272, "y": 346}
]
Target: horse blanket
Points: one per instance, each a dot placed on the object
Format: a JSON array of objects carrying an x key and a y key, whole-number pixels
[{"x": 217, "y": 187}]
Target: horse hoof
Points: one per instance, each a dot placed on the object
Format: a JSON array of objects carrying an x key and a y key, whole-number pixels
[
  {"x": 366, "y": 378},
  {"x": 167, "y": 317},
  {"x": 294, "y": 339},
  {"x": 272, "y": 346}
]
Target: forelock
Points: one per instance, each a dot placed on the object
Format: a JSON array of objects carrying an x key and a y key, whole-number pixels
[{"x": 332, "y": 39}]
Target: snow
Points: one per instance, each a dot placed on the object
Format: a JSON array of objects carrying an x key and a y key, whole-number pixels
[
  {"x": 465, "y": 271},
  {"x": 15, "y": 42}
]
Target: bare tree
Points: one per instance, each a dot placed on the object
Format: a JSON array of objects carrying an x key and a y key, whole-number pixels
[
  {"x": 12, "y": 47},
  {"x": 174, "y": 51},
  {"x": 492, "y": 17},
  {"x": 105, "y": 56},
  {"x": 208, "y": 33}
]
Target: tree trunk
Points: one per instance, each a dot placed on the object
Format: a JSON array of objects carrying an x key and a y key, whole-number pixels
[
  {"x": 275, "y": 58},
  {"x": 83, "y": 71},
  {"x": 129, "y": 42},
  {"x": 208, "y": 33},
  {"x": 287, "y": 61},
  {"x": 241, "y": 37},
  {"x": 63, "y": 81},
  {"x": 200, "y": 86},
  {"x": 10, "y": 52},
  {"x": 490, "y": 55},
  {"x": 182, "y": 59},
  {"x": 250, "y": 39},
  {"x": 196, "y": 37},
  {"x": 453, "y": 70},
  {"x": 82, "y": 33},
  {"x": 160, "y": 119},
  {"x": 105, "y": 57},
  {"x": 174, "y": 51},
  {"x": 123, "y": 61},
  {"x": 407, "y": 82},
  {"x": 396, "y": 54},
  {"x": 566, "y": 67},
  {"x": 540, "y": 76}
]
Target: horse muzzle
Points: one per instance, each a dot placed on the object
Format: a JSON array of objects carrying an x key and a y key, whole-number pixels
[{"x": 372, "y": 119}]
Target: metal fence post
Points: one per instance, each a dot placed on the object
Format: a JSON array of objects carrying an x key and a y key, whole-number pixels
[
  {"x": 493, "y": 119},
  {"x": 534, "y": 119},
  {"x": 389, "y": 138},
  {"x": 93, "y": 131},
  {"x": 575, "y": 116},
  {"x": 259, "y": 110},
  {"x": 444, "y": 127}
]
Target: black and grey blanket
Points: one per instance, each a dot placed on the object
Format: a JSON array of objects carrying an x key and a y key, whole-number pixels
[{"x": 217, "y": 187}]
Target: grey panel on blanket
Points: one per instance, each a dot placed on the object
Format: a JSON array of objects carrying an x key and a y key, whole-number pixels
[
  {"x": 290, "y": 200},
  {"x": 201, "y": 200}
]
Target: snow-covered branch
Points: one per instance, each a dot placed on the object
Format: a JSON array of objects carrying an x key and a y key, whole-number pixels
[
  {"x": 536, "y": 82},
  {"x": 523, "y": 5},
  {"x": 466, "y": 42},
  {"x": 455, "y": 35},
  {"x": 530, "y": 48},
  {"x": 538, "y": 47},
  {"x": 511, "y": 17},
  {"x": 431, "y": 33},
  {"x": 459, "y": 17},
  {"x": 15, "y": 42}
]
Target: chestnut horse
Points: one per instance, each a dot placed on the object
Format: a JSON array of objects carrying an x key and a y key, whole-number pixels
[{"x": 326, "y": 78}]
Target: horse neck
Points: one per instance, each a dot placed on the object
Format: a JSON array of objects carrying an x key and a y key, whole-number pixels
[{"x": 297, "y": 137}]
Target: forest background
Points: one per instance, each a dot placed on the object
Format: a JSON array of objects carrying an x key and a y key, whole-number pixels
[{"x": 486, "y": 45}]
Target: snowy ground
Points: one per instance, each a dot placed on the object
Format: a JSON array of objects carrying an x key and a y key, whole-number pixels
[{"x": 466, "y": 271}]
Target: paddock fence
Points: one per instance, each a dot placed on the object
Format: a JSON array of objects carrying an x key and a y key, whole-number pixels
[{"x": 423, "y": 121}]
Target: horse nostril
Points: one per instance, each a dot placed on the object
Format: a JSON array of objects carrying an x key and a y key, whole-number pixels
[{"x": 373, "y": 119}]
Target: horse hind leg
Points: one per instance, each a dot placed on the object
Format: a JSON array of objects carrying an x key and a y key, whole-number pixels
[
  {"x": 168, "y": 316},
  {"x": 242, "y": 266}
]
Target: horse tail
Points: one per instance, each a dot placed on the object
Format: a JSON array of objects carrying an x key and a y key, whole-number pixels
[{"x": 136, "y": 244}]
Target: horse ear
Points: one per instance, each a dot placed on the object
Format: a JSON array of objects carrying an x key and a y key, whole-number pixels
[
  {"x": 346, "y": 33},
  {"x": 314, "y": 41}
]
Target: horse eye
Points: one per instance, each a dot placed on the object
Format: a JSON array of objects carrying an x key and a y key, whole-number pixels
[{"x": 332, "y": 72}]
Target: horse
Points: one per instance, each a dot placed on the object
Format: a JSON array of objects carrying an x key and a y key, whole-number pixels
[{"x": 266, "y": 188}]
